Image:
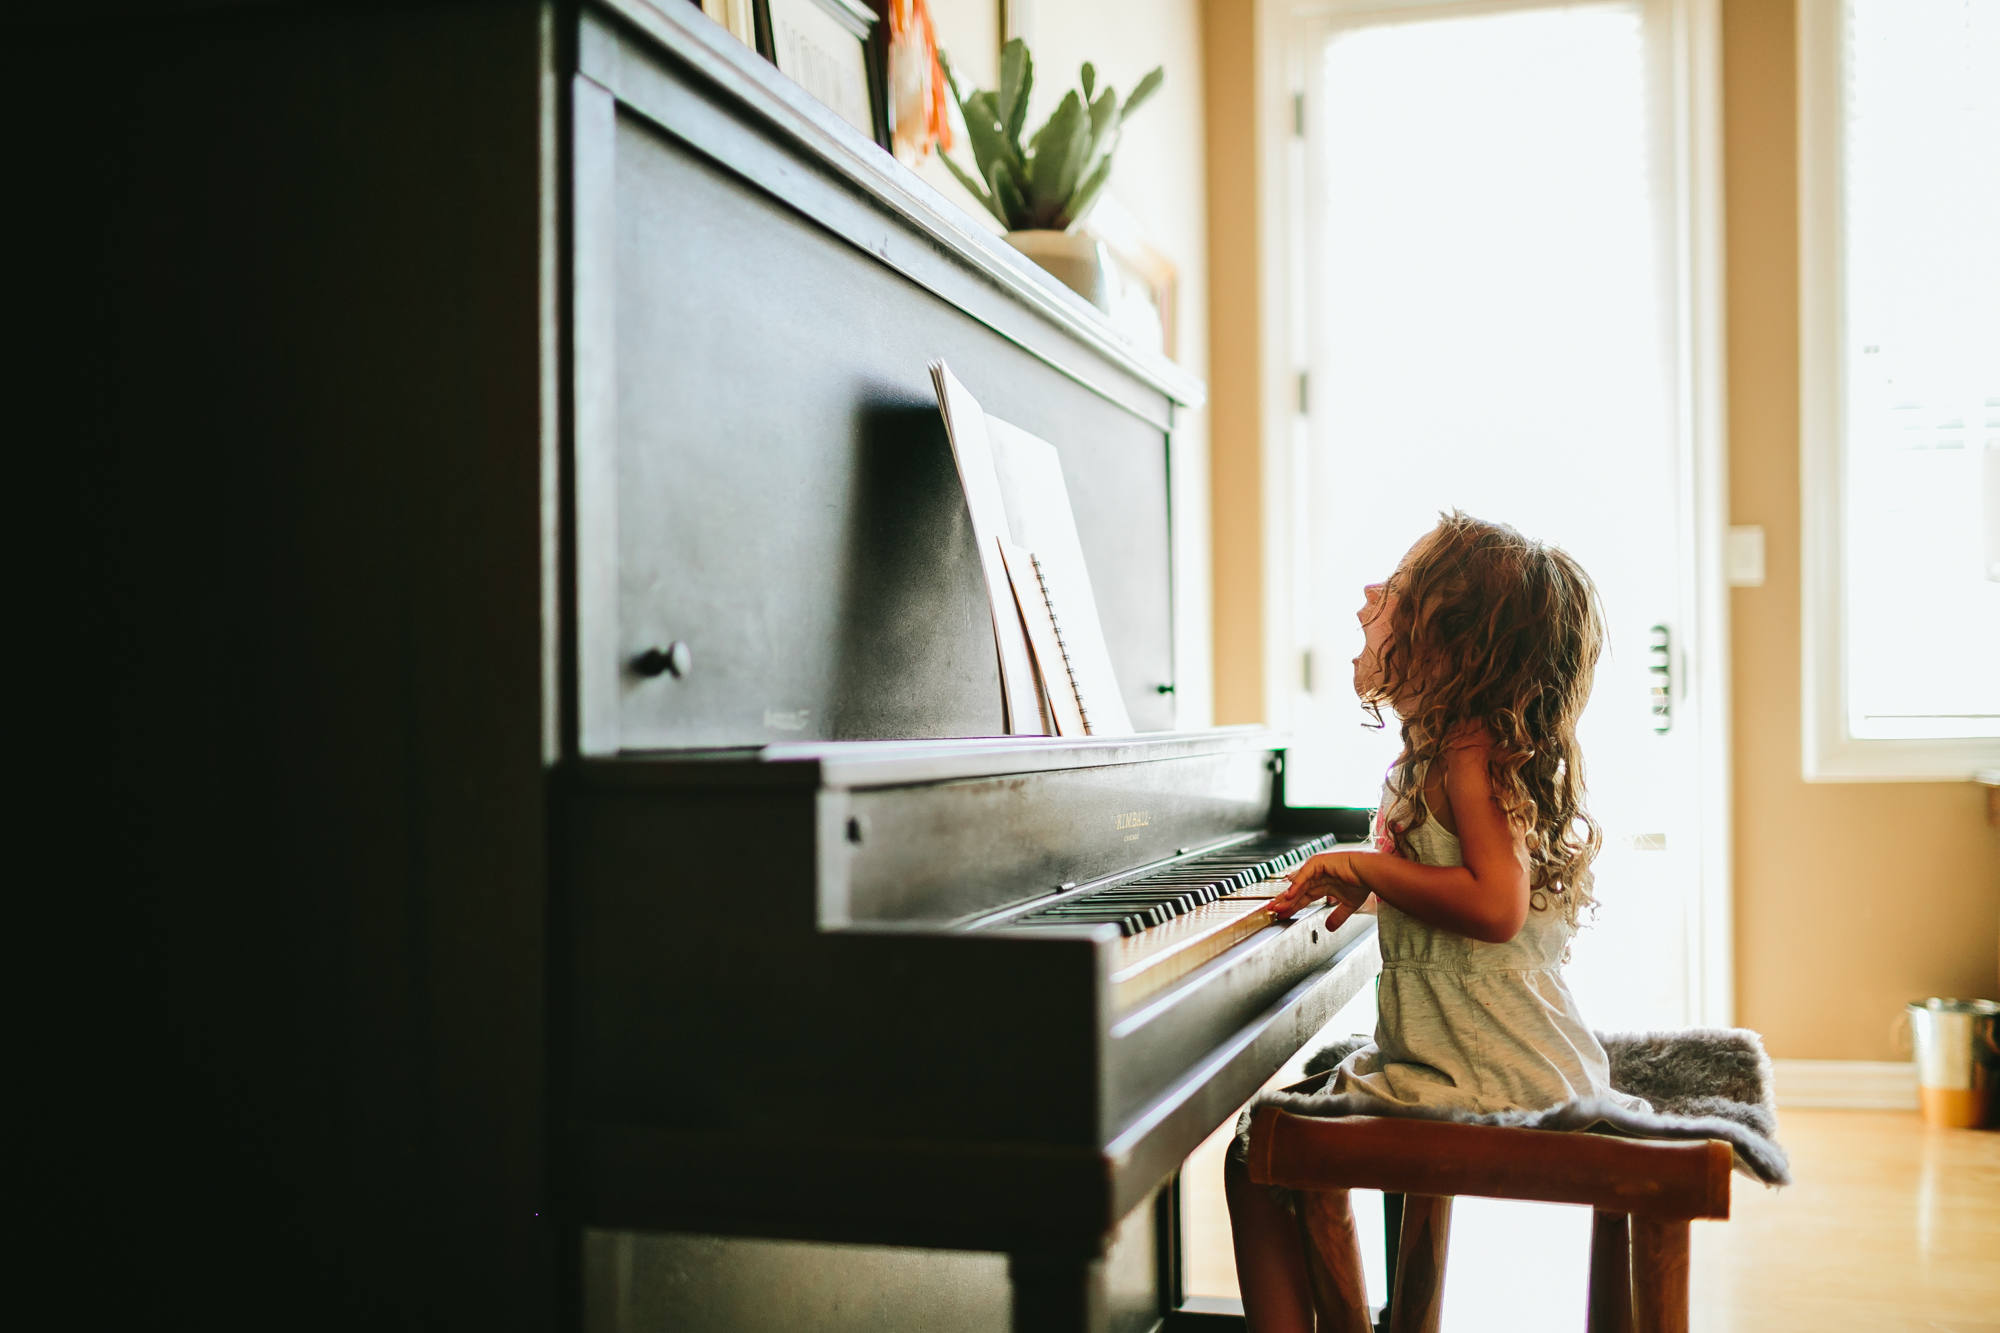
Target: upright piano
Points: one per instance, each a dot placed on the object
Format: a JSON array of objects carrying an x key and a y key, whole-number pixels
[{"x": 838, "y": 965}]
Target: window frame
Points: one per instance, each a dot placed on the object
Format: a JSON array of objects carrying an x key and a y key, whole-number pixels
[{"x": 1829, "y": 753}]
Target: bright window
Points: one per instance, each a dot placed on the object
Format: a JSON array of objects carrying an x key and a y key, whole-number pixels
[{"x": 1900, "y": 208}]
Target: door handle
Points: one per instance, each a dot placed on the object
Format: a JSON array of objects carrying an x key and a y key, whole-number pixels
[{"x": 1660, "y": 666}]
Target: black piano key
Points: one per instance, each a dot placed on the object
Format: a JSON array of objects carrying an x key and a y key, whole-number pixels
[
  {"x": 1159, "y": 893},
  {"x": 1126, "y": 925},
  {"x": 1164, "y": 888},
  {"x": 1217, "y": 883},
  {"x": 1198, "y": 880},
  {"x": 1145, "y": 916},
  {"x": 1148, "y": 915},
  {"x": 1194, "y": 894},
  {"x": 1168, "y": 906},
  {"x": 1208, "y": 893},
  {"x": 1174, "y": 907},
  {"x": 1152, "y": 914},
  {"x": 1140, "y": 889}
]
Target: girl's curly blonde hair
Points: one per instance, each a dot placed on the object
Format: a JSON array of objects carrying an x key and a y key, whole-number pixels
[{"x": 1489, "y": 629}]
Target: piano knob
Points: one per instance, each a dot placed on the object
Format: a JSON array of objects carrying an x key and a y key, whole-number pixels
[
  {"x": 674, "y": 660},
  {"x": 857, "y": 829}
]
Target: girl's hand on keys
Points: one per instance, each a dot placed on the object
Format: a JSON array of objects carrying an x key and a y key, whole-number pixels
[{"x": 1328, "y": 875}]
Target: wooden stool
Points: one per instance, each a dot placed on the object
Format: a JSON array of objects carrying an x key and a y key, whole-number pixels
[{"x": 1645, "y": 1193}]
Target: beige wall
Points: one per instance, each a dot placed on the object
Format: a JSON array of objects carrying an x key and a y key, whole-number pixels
[
  {"x": 1235, "y": 418},
  {"x": 1851, "y": 898}
]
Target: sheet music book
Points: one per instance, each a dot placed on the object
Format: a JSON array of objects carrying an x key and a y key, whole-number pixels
[
  {"x": 965, "y": 423},
  {"x": 1040, "y": 519}
]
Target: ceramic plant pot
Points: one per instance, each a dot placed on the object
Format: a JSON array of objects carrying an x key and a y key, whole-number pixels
[{"x": 1077, "y": 262}]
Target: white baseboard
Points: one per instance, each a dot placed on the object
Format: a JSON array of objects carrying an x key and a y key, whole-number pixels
[{"x": 1858, "y": 1085}]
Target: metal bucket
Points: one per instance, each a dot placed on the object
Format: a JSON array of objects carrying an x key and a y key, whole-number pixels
[{"x": 1958, "y": 1060}]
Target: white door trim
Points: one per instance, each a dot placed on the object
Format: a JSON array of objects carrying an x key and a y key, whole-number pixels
[{"x": 1705, "y": 455}]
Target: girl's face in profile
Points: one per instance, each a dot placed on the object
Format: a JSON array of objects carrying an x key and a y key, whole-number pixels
[{"x": 1378, "y": 602}]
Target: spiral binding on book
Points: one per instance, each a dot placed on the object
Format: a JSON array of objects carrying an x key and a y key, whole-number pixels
[{"x": 1069, "y": 668}]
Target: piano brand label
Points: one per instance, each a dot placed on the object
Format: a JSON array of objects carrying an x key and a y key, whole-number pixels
[
  {"x": 783, "y": 721},
  {"x": 1136, "y": 819}
]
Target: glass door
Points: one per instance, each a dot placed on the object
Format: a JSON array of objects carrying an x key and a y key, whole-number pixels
[{"x": 1489, "y": 323}]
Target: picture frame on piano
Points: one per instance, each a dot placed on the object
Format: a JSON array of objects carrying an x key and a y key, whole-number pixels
[{"x": 835, "y": 50}]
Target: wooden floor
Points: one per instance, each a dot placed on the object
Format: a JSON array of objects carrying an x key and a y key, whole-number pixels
[{"x": 1892, "y": 1227}]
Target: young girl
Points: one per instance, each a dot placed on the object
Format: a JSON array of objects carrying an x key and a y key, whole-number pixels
[{"x": 1483, "y": 643}]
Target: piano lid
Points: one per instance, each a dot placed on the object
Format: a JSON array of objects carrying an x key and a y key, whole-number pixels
[
  {"x": 893, "y": 763},
  {"x": 940, "y": 831}
]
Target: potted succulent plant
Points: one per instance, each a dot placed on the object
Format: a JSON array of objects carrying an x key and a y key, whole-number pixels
[{"x": 1040, "y": 191}]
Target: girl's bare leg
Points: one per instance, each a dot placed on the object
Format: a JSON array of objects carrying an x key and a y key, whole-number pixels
[{"x": 1270, "y": 1258}]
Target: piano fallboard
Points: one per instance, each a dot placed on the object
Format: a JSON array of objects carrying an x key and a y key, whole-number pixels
[{"x": 798, "y": 979}]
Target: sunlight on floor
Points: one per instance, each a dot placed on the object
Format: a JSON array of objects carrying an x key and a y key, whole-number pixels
[{"x": 1892, "y": 1227}]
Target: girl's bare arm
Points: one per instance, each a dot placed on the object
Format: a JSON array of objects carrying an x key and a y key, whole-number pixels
[{"x": 1486, "y": 898}]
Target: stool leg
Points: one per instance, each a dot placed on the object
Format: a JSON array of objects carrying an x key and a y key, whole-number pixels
[
  {"x": 1392, "y": 1239},
  {"x": 1418, "y": 1305},
  {"x": 1610, "y": 1273},
  {"x": 1333, "y": 1257},
  {"x": 1660, "y": 1274}
]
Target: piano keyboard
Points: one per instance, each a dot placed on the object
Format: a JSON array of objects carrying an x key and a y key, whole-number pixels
[{"x": 1182, "y": 915}]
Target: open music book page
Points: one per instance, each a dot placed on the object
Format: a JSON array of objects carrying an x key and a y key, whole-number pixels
[
  {"x": 1039, "y": 517},
  {"x": 965, "y": 423}
]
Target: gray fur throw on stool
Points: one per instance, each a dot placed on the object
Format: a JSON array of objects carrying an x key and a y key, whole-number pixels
[{"x": 1703, "y": 1083}]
